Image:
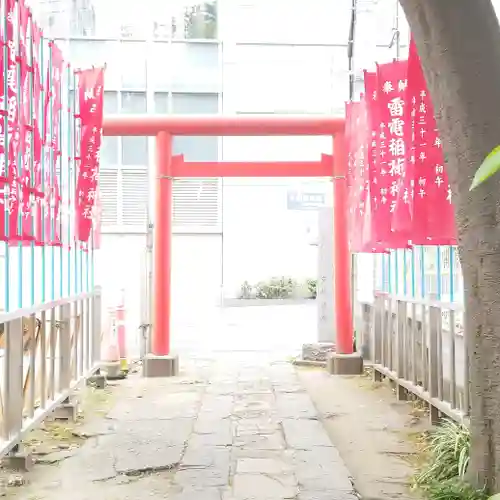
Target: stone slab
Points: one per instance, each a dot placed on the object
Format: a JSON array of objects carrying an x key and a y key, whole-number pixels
[
  {"x": 321, "y": 469},
  {"x": 295, "y": 405},
  {"x": 305, "y": 434},
  {"x": 264, "y": 487},
  {"x": 318, "y": 351}
]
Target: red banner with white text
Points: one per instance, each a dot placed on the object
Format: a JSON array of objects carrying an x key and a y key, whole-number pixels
[
  {"x": 433, "y": 221},
  {"x": 9, "y": 214},
  {"x": 408, "y": 199},
  {"x": 90, "y": 98},
  {"x": 386, "y": 171}
]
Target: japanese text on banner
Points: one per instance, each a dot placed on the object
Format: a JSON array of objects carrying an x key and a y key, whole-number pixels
[
  {"x": 390, "y": 165},
  {"x": 90, "y": 90},
  {"x": 433, "y": 216},
  {"x": 10, "y": 139}
]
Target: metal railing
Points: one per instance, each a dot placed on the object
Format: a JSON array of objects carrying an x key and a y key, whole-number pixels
[
  {"x": 420, "y": 345},
  {"x": 46, "y": 351}
]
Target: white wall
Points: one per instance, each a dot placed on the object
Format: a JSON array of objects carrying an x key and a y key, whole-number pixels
[{"x": 262, "y": 238}]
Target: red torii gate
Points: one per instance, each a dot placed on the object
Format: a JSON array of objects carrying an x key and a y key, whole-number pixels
[{"x": 169, "y": 167}]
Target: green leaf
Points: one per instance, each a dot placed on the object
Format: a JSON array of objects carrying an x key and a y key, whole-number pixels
[
  {"x": 495, "y": 497},
  {"x": 489, "y": 167}
]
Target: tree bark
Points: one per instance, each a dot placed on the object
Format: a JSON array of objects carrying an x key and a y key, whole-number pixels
[{"x": 459, "y": 46}]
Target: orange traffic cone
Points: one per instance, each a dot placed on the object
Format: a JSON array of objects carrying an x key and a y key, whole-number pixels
[
  {"x": 111, "y": 355},
  {"x": 121, "y": 333}
]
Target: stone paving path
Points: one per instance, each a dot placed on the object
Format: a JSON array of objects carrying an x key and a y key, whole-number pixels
[{"x": 237, "y": 429}]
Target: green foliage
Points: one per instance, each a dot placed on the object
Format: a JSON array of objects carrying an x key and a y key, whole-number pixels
[
  {"x": 312, "y": 286},
  {"x": 280, "y": 287},
  {"x": 449, "y": 451},
  {"x": 443, "y": 475},
  {"x": 276, "y": 288},
  {"x": 489, "y": 167},
  {"x": 200, "y": 20},
  {"x": 454, "y": 489}
]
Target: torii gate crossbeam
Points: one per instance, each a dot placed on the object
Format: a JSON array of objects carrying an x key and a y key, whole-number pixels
[{"x": 168, "y": 166}]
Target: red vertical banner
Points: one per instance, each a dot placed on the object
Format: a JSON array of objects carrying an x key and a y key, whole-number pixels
[
  {"x": 3, "y": 138},
  {"x": 90, "y": 98},
  {"x": 48, "y": 223},
  {"x": 373, "y": 131},
  {"x": 387, "y": 171},
  {"x": 38, "y": 149},
  {"x": 53, "y": 195},
  {"x": 11, "y": 139},
  {"x": 432, "y": 211},
  {"x": 358, "y": 141},
  {"x": 26, "y": 123}
]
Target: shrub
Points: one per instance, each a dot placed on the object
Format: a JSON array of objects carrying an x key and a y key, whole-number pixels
[
  {"x": 449, "y": 451},
  {"x": 246, "y": 291},
  {"x": 454, "y": 489},
  {"x": 443, "y": 475},
  {"x": 312, "y": 286},
  {"x": 275, "y": 288}
]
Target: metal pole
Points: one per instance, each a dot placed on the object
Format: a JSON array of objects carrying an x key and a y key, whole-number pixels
[
  {"x": 350, "y": 58},
  {"x": 350, "y": 47},
  {"x": 162, "y": 246},
  {"x": 342, "y": 258}
]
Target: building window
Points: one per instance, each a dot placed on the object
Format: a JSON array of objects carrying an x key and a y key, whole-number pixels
[
  {"x": 161, "y": 102},
  {"x": 193, "y": 19},
  {"x": 195, "y": 201},
  {"x": 124, "y": 198},
  {"x": 197, "y": 104},
  {"x": 134, "y": 149},
  {"x": 109, "y": 147},
  {"x": 195, "y": 67},
  {"x": 135, "y": 198},
  {"x": 133, "y": 64},
  {"x": 160, "y": 72},
  {"x": 108, "y": 191},
  {"x": 196, "y": 148},
  {"x": 88, "y": 53}
]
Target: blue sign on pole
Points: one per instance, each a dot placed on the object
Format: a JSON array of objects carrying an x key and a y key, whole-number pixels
[{"x": 298, "y": 200}]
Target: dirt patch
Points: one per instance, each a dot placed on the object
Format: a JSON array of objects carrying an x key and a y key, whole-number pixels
[
  {"x": 55, "y": 441},
  {"x": 374, "y": 433}
]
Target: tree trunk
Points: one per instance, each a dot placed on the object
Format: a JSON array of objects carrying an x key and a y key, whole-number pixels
[{"x": 459, "y": 46}]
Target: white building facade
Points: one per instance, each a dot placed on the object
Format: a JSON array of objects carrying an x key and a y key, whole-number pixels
[{"x": 210, "y": 57}]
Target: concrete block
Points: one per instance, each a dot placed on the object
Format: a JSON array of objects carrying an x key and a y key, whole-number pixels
[
  {"x": 160, "y": 366},
  {"x": 345, "y": 364},
  {"x": 19, "y": 460},
  {"x": 318, "y": 351},
  {"x": 97, "y": 381},
  {"x": 66, "y": 411}
]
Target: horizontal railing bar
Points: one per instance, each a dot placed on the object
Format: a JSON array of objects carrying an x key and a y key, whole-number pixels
[
  {"x": 449, "y": 306},
  {"x": 5, "y": 317},
  {"x": 442, "y": 406}
]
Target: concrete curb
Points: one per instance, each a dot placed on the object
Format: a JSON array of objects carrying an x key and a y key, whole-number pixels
[{"x": 265, "y": 302}]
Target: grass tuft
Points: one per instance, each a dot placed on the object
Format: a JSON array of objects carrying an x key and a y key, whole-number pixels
[{"x": 442, "y": 476}]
